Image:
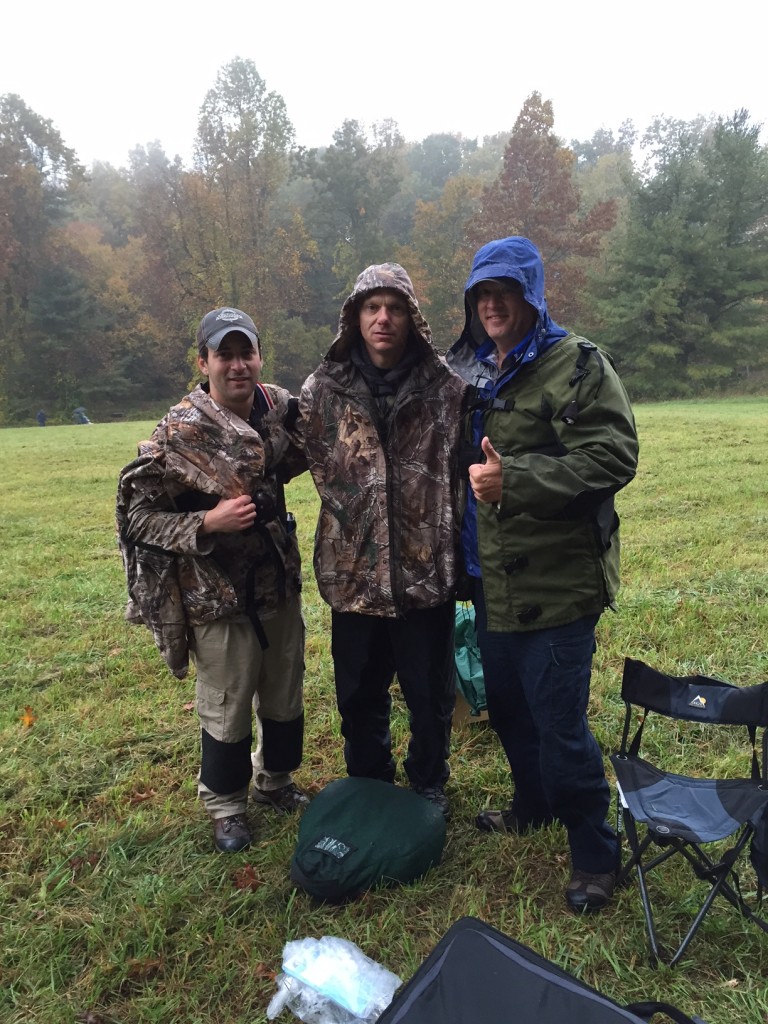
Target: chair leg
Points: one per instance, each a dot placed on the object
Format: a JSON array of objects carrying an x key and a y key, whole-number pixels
[
  {"x": 716, "y": 873},
  {"x": 635, "y": 861}
]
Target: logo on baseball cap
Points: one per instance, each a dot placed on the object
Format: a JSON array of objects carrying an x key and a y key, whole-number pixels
[{"x": 219, "y": 322}]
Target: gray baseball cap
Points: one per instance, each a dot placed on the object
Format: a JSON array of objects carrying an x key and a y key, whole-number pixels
[{"x": 219, "y": 322}]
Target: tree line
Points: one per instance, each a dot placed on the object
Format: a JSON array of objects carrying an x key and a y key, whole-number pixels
[{"x": 655, "y": 246}]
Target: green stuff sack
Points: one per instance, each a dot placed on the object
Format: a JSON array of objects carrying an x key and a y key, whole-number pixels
[
  {"x": 469, "y": 669},
  {"x": 360, "y": 833}
]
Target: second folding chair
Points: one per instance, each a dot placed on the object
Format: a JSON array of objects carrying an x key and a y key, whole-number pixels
[{"x": 667, "y": 815}]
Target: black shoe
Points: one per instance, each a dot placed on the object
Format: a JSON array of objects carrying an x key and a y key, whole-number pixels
[
  {"x": 435, "y": 795},
  {"x": 587, "y": 893},
  {"x": 231, "y": 834},
  {"x": 286, "y": 799},
  {"x": 498, "y": 821}
]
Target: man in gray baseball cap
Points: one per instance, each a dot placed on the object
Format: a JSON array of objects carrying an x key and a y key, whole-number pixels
[{"x": 206, "y": 497}]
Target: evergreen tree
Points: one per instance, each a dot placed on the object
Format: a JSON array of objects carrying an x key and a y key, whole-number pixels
[{"x": 684, "y": 303}]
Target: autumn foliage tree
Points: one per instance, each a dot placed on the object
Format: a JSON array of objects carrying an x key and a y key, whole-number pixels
[
  {"x": 537, "y": 195},
  {"x": 104, "y": 275}
]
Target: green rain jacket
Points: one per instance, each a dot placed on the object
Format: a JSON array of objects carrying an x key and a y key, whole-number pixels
[{"x": 560, "y": 419}]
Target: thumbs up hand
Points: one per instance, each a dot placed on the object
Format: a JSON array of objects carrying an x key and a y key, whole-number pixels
[{"x": 485, "y": 478}]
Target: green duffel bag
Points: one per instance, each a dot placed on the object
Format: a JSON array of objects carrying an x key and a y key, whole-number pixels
[{"x": 360, "y": 833}]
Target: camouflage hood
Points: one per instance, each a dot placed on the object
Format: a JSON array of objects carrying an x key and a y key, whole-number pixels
[{"x": 378, "y": 275}]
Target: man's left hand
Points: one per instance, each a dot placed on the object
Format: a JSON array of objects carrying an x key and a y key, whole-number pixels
[{"x": 485, "y": 478}]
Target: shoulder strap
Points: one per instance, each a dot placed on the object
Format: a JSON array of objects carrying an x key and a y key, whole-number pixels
[
  {"x": 264, "y": 398},
  {"x": 646, "y": 1010},
  {"x": 581, "y": 370}
]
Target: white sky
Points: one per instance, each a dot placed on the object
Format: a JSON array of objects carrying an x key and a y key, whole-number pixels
[{"x": 112, "y": 77}]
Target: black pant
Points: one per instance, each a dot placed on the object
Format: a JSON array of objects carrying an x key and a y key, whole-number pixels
[{"x": 367, "y": 652}]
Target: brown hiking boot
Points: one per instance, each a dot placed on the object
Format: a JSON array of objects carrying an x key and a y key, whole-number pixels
[
  {"x": 498, "y": 821},
  {"x": 286, "y": 799},
  {"x": 587, "y": 892},
  {"x": 231, "y": 834},
  {"x": 435, "y": 795}
]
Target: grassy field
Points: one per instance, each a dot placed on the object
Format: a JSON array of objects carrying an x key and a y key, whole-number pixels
[{"x": 114, "y": 907}]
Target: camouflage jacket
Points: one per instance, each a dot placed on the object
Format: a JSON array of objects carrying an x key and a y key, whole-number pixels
[
  {"x": 199, "y": 453},
  {"x": 386, "y": 540}
]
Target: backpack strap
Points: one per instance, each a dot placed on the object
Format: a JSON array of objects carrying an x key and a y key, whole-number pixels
[
  {"x": 646, "y": 1010},
  {"x": 580, "y": 373}
]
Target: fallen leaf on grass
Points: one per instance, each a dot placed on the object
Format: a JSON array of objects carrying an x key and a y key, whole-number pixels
[
  {"x": 115, "y": 651},
  {"x": 76, "y": 862},
  {"x": 139, "y": 796},
  {"x": 189, "y": 706},
  {"x": 732, "y": 983},
  {"x": 28, "y": 719},
  {"x": 144, "y": 969},
  {"x": 90, "y": 1018},
  {"x": 246, "y": 878},
  {"x": 59, "y": 823},
  {"x": 262, "y": 971}
]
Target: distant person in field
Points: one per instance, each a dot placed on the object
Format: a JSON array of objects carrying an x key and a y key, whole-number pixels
[
  {"x": 214, "y": 570},
  {"x": 381, "y": 421},
  {"x": 554, "y": 440},
  {"x": 41, "y": 417},
  {"x": 79, "y": 415}
]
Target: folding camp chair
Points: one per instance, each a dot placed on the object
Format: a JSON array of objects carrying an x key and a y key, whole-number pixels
[{"x": 665, "y": 814}]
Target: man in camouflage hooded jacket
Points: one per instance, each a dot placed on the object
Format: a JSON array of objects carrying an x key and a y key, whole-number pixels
[
  {"x": 213, "y": 568},
  {"x": 381, "y": 422}
]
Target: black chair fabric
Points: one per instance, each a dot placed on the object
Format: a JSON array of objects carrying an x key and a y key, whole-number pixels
[
  {"x": 679, "y": 814},
  {"x": 476, "y": 973}
]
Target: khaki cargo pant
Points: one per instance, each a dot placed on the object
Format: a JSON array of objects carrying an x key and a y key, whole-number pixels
[{"x": 238, "y": 683}]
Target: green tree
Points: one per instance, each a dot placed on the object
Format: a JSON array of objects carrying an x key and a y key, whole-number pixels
[
  {"x": 109, "y": 200},
  {"x": 439, "y": 256},
  {"x": 604, "y": 143},
  {"x": 435, "y": 159},
  {"x": 354, "y": 181},
  {"x": 292, "y": 350},
  {"x": 38, "y": 177},
  {"x": 243, "y": 141},
  {"x": 684, "y": 302}
]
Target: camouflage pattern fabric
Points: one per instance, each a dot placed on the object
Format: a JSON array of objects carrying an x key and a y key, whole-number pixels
[
  {"x": 198, "y": 453},
  {"x": 386, "y": 540}
]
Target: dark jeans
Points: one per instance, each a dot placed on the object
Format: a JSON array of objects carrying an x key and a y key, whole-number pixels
[
  {"x": 367, "y": 652},
  {"x": 537, "y": 688}
]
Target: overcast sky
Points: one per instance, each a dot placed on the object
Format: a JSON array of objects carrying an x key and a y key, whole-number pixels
[{"x": 112, "y": 76}]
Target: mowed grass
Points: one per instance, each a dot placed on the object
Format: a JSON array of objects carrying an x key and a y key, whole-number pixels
[{"x": 114, "y": 906}]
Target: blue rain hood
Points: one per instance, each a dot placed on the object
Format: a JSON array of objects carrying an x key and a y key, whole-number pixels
[
  {"x": 519, "y": 259},
  {"x": 473, "y": 356}
]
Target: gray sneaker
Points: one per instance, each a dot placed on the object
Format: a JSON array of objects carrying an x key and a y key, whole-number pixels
[{"x": 286, "y": 799}]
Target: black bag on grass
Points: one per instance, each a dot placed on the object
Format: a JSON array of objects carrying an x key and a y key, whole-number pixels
[
  {"x": 359, "y": 833},
  {"x": 476, "y": 973}
]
